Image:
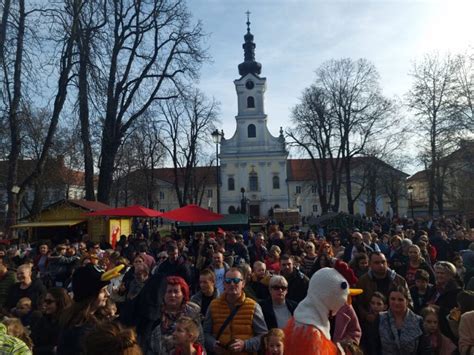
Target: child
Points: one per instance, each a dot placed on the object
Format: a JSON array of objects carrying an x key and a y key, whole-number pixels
[
  {"x": 433, "y": 342},
  {"x": 24, "y": 311},
  {"x": 16, "y": 329},
  {"x": 274, "y": 342},
  {"x": 378, "y": 303},
  {"x": 185, "y": 336},
  {"x": 109, "y": 311},
  {"x": 422, "y": 291}
]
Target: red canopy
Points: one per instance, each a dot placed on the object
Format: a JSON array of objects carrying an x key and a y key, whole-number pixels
[
  {"x": 192, "y": 214},
  {"x": 130, "y": 211}
]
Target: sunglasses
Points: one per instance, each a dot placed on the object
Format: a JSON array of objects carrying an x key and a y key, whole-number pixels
[
  {"x": 279, "y": 288},
  {"x": 229, "y": 280},
  {"x": 49, "y": 301}
]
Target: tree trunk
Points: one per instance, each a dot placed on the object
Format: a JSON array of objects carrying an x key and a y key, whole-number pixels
[
  {"x": 350, "y": 201},
  {"x": 84, "y": 43},
  {"x": 107, "y": 164},
  {"x": 12, "y": 180}
]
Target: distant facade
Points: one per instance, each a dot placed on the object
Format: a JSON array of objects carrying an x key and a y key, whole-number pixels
[{"x": 458, "y": 173}]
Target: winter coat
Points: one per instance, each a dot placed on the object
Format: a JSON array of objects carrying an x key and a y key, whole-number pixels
[
  {"x": 403, "y": 341},
  {"x": 346, "y": 325},
  {"x": 269, "y": 314},
  {"x": 368, "y": 284}
]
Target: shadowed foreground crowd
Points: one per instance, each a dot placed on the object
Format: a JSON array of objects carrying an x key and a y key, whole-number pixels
[{"x": 229, "y": 293}]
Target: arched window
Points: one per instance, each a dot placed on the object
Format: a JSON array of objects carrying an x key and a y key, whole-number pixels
[
  {"x": 230, "y": 184},
  {"x": 276, "y": 182},
  {"x": 231, "y": 210},
  {"x": 250, "y": 102},
  {"x": 251, "y": 131},
  {"x": 253, "y": 182}
]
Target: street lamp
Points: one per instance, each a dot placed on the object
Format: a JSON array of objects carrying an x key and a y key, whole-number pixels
[
  {"x": 217, "y": 138},
  {"x": 410, "y": 193},
  {"x": 243, "y": 202}
]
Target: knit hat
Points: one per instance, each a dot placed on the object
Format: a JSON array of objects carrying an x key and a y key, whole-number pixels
[
  {"x": 346, "y": 271},
  {"x": 87, "y": 282}
]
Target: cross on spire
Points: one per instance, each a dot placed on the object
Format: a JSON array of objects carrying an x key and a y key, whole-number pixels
[{"x": 248, "y": 20}]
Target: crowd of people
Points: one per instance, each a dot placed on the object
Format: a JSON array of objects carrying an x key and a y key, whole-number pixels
[{"x": 232, "y": 293}]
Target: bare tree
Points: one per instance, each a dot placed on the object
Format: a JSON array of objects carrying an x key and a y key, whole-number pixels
[
  {"x": 340, "y": 113},
  {"x": 433, "y": 99},
  {"x": 146, "y": 146},
  {"x": 187, "y": 125},
  {"x": 314, "y": 133},
  {"x": 12, "y": 80},
  {"x": 152, "y": 48},
  {"x": 359, "y": 109},
  {"x": 465, "y": 83}
]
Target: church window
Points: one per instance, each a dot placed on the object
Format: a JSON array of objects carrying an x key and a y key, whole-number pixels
[
  {"x": 253, "y": 182},
  {"x": 231, "y": 184},
  {"x": 276, "y": 182},
  {"x": 250, "y": 102},
  {"x": 251, "y": 131}
]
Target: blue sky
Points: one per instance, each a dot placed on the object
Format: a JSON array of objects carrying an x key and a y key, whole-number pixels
[{"x": 294, "y": 37}]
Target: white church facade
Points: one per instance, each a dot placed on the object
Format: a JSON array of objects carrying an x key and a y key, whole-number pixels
[{"x": 252, "y": 162}]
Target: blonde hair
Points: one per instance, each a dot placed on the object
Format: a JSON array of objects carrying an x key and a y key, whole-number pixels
[
  {"x": 274, "y": 332},
  {"x": 24, "y": 300},
  {"x": 190, "y": 325},
  {"x": 15, "y": 328}
]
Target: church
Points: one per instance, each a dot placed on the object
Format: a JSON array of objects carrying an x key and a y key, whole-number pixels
[
  {"x": 255, "y": 174},
  {"x": 253, "y": 163}
]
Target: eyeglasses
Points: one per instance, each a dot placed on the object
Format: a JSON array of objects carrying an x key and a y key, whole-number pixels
[
  {"x": 279, "y": 288},
  {"x": 49, "y": 301},
  {"x": 229, "y": 280}
]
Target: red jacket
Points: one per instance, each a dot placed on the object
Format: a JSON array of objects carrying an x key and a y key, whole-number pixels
[{"x": 198, "y": 347}]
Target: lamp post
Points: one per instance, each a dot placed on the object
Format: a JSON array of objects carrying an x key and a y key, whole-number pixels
[
  {"x": 410, "y": 193},
  {"x": 243, "y": 202},
  {"x": 217, "y": 138}
]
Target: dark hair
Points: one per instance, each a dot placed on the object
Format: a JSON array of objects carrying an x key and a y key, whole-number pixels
[
  {"x": 401, "y": 289},
  {"x": 421, "y": 274},
  {"x": 287, "y": 257},
  {"x": 111, "y": 338},
  {"x": 380, "y": 296},
  {"x": 61, "y": 297},
  {"x": 209, "y": 273},
  {"x": 377, "y": 253},
  {"x": 172, "y": 246}
]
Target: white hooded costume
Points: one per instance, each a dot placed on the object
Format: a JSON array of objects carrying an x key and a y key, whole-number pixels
[{"x": 308, "y": 332}]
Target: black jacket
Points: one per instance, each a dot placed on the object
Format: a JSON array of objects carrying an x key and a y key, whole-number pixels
[
  {"x": 297, "y": 286},
  {"x": 34, "y": 292},
  {"x": 45, "y": 336},
  {"x": 269, "y": 314}
]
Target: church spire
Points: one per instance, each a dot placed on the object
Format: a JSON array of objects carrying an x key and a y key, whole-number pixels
[{"x": 249, "y": 65}]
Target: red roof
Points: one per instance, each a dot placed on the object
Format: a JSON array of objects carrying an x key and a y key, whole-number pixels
[{"x": 303, "y": 169}]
